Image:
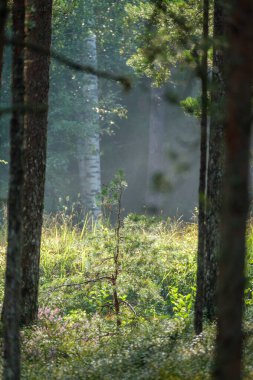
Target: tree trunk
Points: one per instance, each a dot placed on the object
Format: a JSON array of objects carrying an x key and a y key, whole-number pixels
[
  {"x": 89, "y": 144},
  {"x": 12, "y": 295},
  {"x": 3, "y": 17},
  {"x": 199, "y": 302},
  {"x": 156, "y": 159},
  {"x": 215, "y": 163},
  {"x": 38, "y": 21},
  {"x": 238, "y": 120}
]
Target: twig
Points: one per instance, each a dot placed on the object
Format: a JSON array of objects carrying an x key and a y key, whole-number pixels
[
  {"x": 108, "y": 304},
  {"x": 126, "y": 83},
  {"x": 129, "y": 305},
  {"x": 105, "y": 259}
]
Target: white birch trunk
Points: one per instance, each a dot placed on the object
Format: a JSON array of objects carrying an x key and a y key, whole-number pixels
[{"x": 89, "y": 146}]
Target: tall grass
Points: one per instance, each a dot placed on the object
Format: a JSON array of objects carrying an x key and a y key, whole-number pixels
[{"x": 76, "y": 335}]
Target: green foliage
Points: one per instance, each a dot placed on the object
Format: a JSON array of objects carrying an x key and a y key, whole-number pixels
[
  {"x": 69, "y": 121},
  {"x": 110, "y": 194},
  {"x": 192, "y": 106},
  {"x": 166, "y": 34},
  {"x": 76, "y": 317},
  {"x": 76, "y": 333},
  {"x": 249, "y": 269},
  {"x": 182, "y": 304},
  {"x": 140, "y": 283}
]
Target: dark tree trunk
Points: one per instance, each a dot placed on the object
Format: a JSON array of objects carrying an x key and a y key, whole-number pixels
[
  {"x": 3, "y": 17},
  {"x": 238, "y": 120},
  {"x": 38, "y": 21},
  {"x": 12, "y": 296},
  {"x": 199, "y": 302},
  {"x": 215, "y": 162}
]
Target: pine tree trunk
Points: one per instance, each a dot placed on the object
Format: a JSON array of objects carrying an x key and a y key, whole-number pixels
[
  {"x": 89, "y": 145},
  {"x": 153, "y": 199},
  {"x": 12, "y": 295},
  {"x": 215, "y": 163},
  {"x": 235, "y": 205},
  {"x": 38, "y": 21},
  {"x": 199, "y": 302},
  {"x": 3, "y": 17}
]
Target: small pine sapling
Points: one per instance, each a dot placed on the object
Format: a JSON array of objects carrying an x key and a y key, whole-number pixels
[{"x": 112, "y": 199}]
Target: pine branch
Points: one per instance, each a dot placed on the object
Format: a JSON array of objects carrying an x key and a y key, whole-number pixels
[{"x": 126, "y": 83}]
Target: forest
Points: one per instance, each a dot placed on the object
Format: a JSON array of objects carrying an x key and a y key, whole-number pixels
[{"x": 126, "y": 228}]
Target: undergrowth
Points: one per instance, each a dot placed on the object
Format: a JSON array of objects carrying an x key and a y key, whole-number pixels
[{"x": 77, "y": 337}]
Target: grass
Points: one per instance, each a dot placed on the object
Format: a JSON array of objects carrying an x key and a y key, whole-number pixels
[{"x": 76, "y": 336}]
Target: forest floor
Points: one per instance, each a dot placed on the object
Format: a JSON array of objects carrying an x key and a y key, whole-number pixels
[{"x": 76, "y": 336}]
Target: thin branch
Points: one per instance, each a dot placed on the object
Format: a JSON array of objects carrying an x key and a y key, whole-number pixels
[
  {"x": 126, "y": 83},
  {"x": 104, "y": 260},
  {"x": 129, "y": 305},
  {"x": 107, "y": 304}
]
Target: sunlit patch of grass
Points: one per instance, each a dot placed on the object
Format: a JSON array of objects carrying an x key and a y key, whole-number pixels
[
  {"x": 155, "y": 255},
  {"x": 77, "y": 322},
  {"x": 76, "y": 333}
]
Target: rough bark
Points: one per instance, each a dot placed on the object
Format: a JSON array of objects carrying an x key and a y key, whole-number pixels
[
  {"x": 238, "y": 120},
  {"x": 156, "y": 159},
  {"x": 12, "y": 295},
  {"x": 89, "y": 145},
  {"x": 215, "y": 163},
  {"x": 38, "y": 22},
  {"x": 199, "y": 302},
  {"x": 3, "y": 17}
]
